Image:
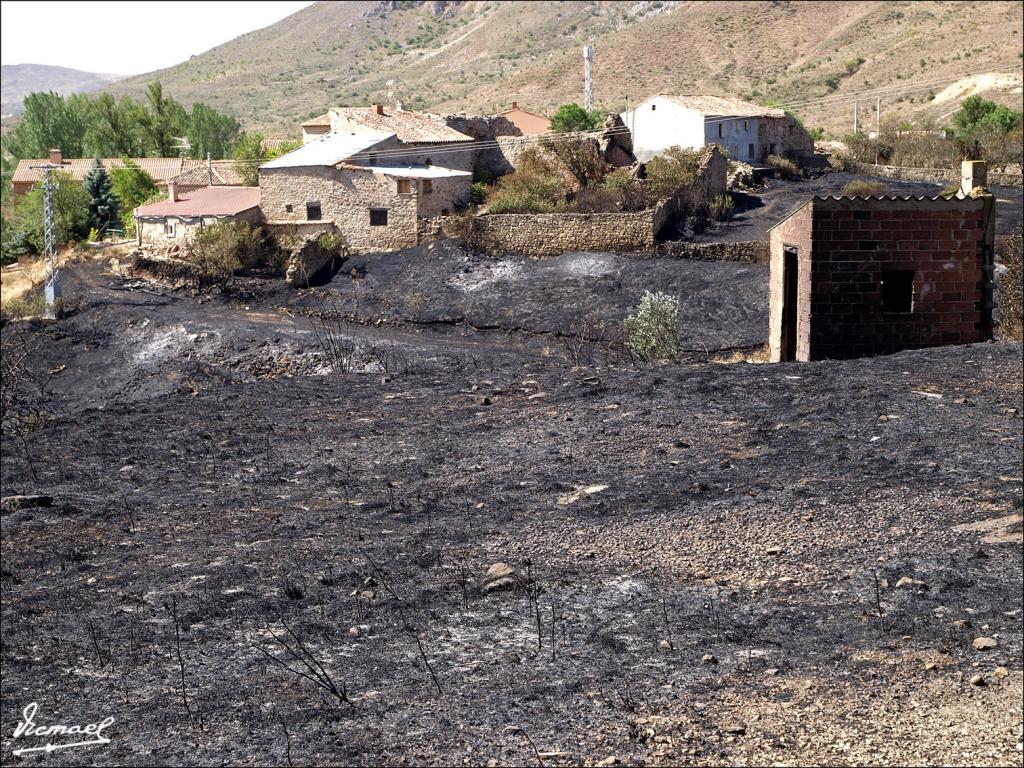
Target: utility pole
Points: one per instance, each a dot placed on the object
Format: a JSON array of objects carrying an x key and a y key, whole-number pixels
[
  {"x": 209, "y": 169},
  {"x": 855, "y": 107},
  {"x": 588, "y": 82},
  {"x": 49, "y": 242}
]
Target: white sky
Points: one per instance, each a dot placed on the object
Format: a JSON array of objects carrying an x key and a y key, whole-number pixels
[{"x": 126, "y": 38}]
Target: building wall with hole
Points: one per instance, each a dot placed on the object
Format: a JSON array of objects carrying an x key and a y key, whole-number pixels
[{"x": 854, "y": 256}]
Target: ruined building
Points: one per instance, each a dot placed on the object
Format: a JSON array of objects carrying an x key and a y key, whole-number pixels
[{"x": 858, "y": 276}]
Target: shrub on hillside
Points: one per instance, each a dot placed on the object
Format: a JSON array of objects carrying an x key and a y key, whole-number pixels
[
  {"x": 786, "y": 169},
  {"x": 535, "y": 187},
  {"x": 864, "y": 188},
  {"x": 651, "y": 331}
]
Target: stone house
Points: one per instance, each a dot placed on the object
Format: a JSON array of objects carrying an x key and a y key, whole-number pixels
[
  {"x": 748, "y": 132},
  {"x": 852, "y": 277},
  {"x": 528, "y": 123},
  {"x": 372, "y": 185},
  {"x": 181, "y": 215}
]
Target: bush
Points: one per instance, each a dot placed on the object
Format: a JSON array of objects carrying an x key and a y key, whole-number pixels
[
  {"x": 218, "y": 251},
  {"x": 478, "y": 193},
  {"x": 580, "y": 159},
  {"x": 536, "y": 187},
  {"x": 634, "y": 194},
  {"x": 333, "y": 242},
  {"x": 573, "y": 117},
  {"x": 595, "y": 200},
  {"x": 651, "y": 331},
  {"x": 785, "y": 168},
  {"x": 721, "y": 208},
  {"x": 675, "y": 168},
  {"x": 864, "y": 188}
]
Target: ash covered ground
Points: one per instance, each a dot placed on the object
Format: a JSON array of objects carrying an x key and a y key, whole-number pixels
[{"x": 714, "y": 564}]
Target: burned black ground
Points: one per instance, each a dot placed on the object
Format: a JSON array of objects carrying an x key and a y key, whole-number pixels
[{"x": 206, "y": 463}]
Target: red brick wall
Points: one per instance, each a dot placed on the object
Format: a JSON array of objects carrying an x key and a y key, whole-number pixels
[{"x": 852, "y": 242}]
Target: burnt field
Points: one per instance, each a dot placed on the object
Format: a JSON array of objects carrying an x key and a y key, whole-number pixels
[{"x": 263, "y": 550}]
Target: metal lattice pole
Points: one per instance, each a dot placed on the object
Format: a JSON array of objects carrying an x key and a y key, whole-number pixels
[
  {"x": 52, "y": 289},
  {"x": 588, "y": 82}
]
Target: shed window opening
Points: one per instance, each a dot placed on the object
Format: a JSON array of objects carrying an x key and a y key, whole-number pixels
[
  {"x": 428, "y": 186},
  {"x": 378, "y": 217},
  {"x": 169, "y": 228},
  {"x": 721, "y": 130},
  {"x": 404, "y": 187},
  {"x": 898, "y": 290},
  {"x": 313, "y": 212}
]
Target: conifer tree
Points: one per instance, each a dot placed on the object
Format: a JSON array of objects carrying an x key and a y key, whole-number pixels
[{"x": 102, "y": 202}]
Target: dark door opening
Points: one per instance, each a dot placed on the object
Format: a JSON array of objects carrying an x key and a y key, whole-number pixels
[{"x": 789, "y": 302}]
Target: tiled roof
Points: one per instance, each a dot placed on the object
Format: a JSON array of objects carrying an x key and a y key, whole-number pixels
[
  {"x": 725, "y": 107},
  {"x": 412, "y": 127},
  {"x": 329, "y": 149},
  {"x": 324, "y": 119},
  {"x": 224, "y": 174},
  {"x": 160, "y": 168},
  {"x": 277, "y": 143},
  {"x": 205, "y": 201}
]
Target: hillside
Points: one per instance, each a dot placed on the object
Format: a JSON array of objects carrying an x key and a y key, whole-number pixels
[
  {"x": 479, "y": 56},
  {"x": 19, "y": 80}
]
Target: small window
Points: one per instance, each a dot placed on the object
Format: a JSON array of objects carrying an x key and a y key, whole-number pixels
[
  {"x": 429, "y": 162},
  {"x": 378, "y": 217},
  {"x": 898, "y": 290},
  {"x": 746, "y": 125},
  {"x": 289, "y": 208},
  {"x": 721, "y": 130},
  {"x": 428, "y": 186},
  {"x": 170, "y": 228},
  {"x": 750, "y": 151},
  {"x": 653, "y": 107},
  {"x": 404, "y": 187},
  {"x": 313, "y": 212}
]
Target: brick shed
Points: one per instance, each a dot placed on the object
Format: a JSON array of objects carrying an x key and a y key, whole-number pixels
[{"x": 852, "y": 277}]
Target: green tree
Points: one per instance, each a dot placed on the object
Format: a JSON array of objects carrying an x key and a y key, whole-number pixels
[
  {"x": 573, "y": 117},
  {"x": 248, "y": 154},
  {"x": 115, "y": 128},
  {"x": 102, "y": 202},
  {"x": 70, "y": 213},
  {"x": 132, "y": 187},
  {"x": 49, "y": 122},
  {"x": 211, "y": 132},
  {"x": 165, "y": 120}
]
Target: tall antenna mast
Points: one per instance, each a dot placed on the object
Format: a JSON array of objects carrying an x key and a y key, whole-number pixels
[
  {"x": 49, "y": 242},
  {"x": 588, "y": 80}
]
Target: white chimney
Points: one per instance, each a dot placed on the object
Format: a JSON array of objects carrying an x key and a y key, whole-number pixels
[{"x": 172, "y": 192}]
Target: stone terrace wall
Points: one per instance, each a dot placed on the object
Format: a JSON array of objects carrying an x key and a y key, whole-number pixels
[
  {"x": 932, "y": 175},
  {"x": 745, "y": 251}
]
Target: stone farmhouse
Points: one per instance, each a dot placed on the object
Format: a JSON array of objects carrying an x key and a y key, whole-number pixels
[
  {"x": 748, "y": 132},
  {"x": 853, "y": 277},
  {"x": 182, "y": 214},
  {"x": 373, "y": 176}
]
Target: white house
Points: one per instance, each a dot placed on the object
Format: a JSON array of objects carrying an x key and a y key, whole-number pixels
[{"x": 748, "y": 132}]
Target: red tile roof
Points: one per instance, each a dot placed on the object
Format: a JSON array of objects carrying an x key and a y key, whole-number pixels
[
  {"x": 205, "y": 201},
  {"x": 411, "y": 127},
  {"x": 224, "y": 174},
  {"x": 160, "y": 168}
]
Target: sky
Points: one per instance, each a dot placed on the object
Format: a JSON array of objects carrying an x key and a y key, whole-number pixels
[{"x": 126, "y": 38}]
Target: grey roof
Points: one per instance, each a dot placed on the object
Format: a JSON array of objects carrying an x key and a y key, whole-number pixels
[{"x": 329, "y": 150}]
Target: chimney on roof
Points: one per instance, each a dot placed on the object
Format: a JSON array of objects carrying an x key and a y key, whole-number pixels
[
  {"x": 56, "y": 157},
  {"x": 973, "y": 173},
  {"x": 378, "y": 109},
  {"x": 515, "y": 105},
  {"x": 172, "y": 191}
]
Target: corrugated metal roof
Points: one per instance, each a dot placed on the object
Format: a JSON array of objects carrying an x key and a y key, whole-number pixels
[
  {"x": 411, "y": 127},
  {"x": 160, "y": 168},
  {"x": 329, "y": 149},
  {"x": 724, "y": 107},
  {"x": 205, "y": 201}
]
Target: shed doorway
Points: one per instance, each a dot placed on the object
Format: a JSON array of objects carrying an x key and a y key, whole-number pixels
[{"x": 789, "y": 302}]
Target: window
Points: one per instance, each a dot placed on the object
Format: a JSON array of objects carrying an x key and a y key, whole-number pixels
[
  {"x": 378, "y": 217},
  {"x": 721, "y": 130},
  {"x": 898, "y": 290},
  {"x": 169, "y": 228},
  {"x": 289, "y": 208},
  {"x": 746, "y": 125},
  {"x": 404, "y": 187},
  {"x": 653, "y": 107},
  {"x": 313, "y": 212},
  {"x": 428, "y": 186},
  {"x": 750, "y": 151}
]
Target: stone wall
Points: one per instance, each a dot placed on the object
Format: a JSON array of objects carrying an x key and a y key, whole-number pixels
[
  {"x": 445, "y": 196},
  {"x": 878, "y": 276},
  {"x": 932, "y": 175},
  {"x": 745, "y": 251},
  {"x": 150, "y": 231},
  {"x": 345, "y": 197}
]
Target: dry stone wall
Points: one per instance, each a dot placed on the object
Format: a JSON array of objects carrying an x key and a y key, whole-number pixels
[{"x": 932, "y": 175}]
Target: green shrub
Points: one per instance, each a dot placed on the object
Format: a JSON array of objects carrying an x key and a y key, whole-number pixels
[
  {"x": 478, "y": 192},
  {"x": 674, "y": 168},
  {"x": 634, "y": 195},
  {"x": 573, "y": 117},
  {"x": 721, "y": 208},
  {"x": 581, "y": 159},
  {"x": 333, "y": 242},
  {"x": 651, "y": 331},
  {"x": 220, "y": 250},
  {"x": 864, "y": 188},
  {"x": 535, "y": 187},
  {"x": 785, "y": 168}
]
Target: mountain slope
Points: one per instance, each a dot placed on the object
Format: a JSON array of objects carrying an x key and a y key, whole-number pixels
[
  {"x": 479, "y": 56},
  {"x": 19, "y": 80}
]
